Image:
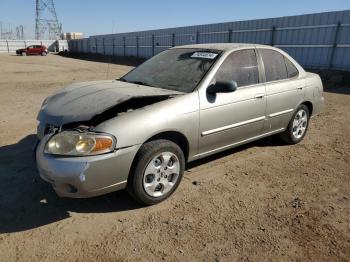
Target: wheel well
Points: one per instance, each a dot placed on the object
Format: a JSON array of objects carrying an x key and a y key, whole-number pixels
[
  {"x": 175, "y": 137},
  {"x": 309, "y": 106}
]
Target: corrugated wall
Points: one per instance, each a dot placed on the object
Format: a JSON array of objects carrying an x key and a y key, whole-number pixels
[
  {"x": 12, "y": 45},
  {"x": 315, "y": 40}
]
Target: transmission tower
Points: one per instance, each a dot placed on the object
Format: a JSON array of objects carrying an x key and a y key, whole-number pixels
[
  {"x": 6, "y": 33},
  {"x": 46, "y": 22},
  {"x": 20, "y": 32}
]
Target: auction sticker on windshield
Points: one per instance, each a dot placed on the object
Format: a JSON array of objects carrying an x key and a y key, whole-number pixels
[{"x": 206, "y": 55}]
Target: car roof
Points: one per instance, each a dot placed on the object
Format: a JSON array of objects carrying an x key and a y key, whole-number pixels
[
  {"x": 227, "y": 47},
  {"x": 221, "y": 46}
]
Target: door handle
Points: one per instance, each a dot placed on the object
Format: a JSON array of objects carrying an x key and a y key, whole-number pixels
[
  {"x": 259, "y": 96},
  {"x": 300, "y": 88}
]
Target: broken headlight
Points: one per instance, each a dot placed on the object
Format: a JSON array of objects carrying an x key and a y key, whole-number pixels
[{"x": 74, "y": 143}]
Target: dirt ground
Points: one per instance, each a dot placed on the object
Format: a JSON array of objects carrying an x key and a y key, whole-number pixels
[{"x": 263, "y": 201}]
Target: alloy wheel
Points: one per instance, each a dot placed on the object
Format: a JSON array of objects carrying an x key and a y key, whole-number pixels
[
  {"x": 161, "y": 174},
  {"x": 299, "y": 124}
]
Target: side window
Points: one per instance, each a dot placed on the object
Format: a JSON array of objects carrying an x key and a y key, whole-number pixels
[
  {"x": 240, "y": 66},
  {"x": 275, "y": 67},
  {"x": 291, "y": 69}
]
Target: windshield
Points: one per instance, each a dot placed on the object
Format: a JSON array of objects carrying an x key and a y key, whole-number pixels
[{"x": 175, "y": 69}]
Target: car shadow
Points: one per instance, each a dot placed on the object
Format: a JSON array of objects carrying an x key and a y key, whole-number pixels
[
  {"x": 118, "y": 60},
  {"x": 271, "y": 141},
  {"x": 27, "y": 202}
]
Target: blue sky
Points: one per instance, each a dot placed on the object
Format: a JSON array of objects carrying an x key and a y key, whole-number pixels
[{"x": 107, "y": 16}]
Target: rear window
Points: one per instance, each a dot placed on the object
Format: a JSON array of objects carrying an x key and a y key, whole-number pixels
[{"x": 275, "y": 67}]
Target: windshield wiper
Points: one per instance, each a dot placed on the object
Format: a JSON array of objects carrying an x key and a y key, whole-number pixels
[
  {"x": 140, "y": 83},
  {"x": 135, "y": 82}
]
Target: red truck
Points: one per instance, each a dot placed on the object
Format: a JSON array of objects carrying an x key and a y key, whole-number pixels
[{"x": 33, "y": 50}]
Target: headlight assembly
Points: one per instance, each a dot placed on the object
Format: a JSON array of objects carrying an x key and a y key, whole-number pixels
[{"x": 73, "y": 143}]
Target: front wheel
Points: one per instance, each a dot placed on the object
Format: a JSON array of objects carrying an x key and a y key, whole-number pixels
[
  {"x": 23, "y": 54},
  {"x": 43, "y": 53},
  {"x": 297, "y": 126},
  {"x": 157, "y": 172}
]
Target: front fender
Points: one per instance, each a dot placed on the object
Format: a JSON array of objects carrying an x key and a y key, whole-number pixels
[{"x": 178, "y": 114}]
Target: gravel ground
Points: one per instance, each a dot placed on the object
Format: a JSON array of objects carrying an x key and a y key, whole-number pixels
[{"x": 262, "y": 201}]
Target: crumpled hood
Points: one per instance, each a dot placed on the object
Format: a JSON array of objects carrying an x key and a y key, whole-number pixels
[{"x": 82, "y": 101}]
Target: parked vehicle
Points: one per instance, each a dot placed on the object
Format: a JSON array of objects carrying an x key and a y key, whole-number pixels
[
  {"x": 186, "y": 103},
  {"x": 33, "y": 50}
]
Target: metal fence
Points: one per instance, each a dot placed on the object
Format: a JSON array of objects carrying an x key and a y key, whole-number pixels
[
  {"x": 9, "y": 46},
  {"x": 315, "y": 40}
]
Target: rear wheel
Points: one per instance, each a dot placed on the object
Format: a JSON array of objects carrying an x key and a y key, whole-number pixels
[
  {"x": 157, "y": 172},
  {"x": 297, "y": 126}
]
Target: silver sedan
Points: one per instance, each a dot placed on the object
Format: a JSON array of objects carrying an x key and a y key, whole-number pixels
[{"x": 139, "y": 131}]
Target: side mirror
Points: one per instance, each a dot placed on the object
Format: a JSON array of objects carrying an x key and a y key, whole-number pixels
[{"x": 222, "y": 87}]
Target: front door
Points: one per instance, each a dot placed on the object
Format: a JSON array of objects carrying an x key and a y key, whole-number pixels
[
  {"x": 30, "y": 50},
  {"x": 229, "y": 118}
]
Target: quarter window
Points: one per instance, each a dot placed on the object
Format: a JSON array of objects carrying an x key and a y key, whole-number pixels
[
  {"x": 291, "y": 69},
  {"x": 275, "y": 67},
  {"x": 240, "y": 66}
]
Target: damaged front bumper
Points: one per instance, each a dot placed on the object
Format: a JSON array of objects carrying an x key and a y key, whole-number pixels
[{"x": 89, "y": 176}]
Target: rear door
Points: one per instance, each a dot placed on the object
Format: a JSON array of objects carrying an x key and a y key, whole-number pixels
[
  {"x": 229, "y": 118},
  {"x": 284, "y": 88},
  {"x": 37, "y": 49}
]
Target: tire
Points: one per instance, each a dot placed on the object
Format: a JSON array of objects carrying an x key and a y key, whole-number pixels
[
  {"x": 23, "y": 54},
  {"x": 43, "y": 53},
  {"x": 157, "y": 172},
  {"x": 296, "y": 132}
]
